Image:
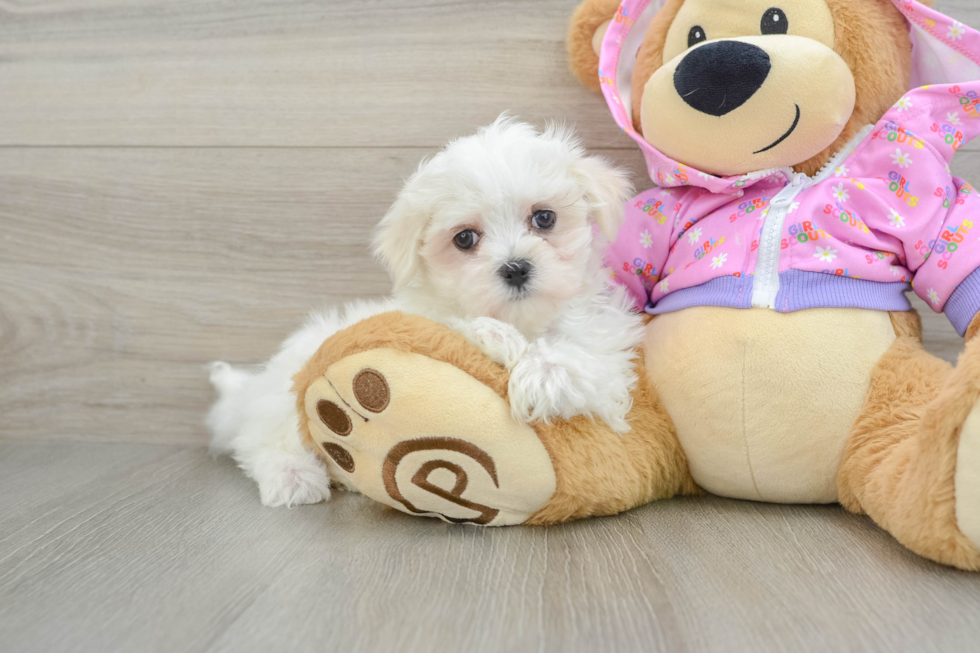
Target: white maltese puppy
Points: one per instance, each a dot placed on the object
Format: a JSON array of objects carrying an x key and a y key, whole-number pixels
[{"x": 500, "y": 236}]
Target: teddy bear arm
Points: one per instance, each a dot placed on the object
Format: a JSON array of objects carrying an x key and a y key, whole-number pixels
[
  {"x": 585, "y": 35},
  {"x": 973, "y": 329}
]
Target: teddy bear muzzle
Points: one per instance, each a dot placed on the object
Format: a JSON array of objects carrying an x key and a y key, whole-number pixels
[{"x": 703, "y": 106}]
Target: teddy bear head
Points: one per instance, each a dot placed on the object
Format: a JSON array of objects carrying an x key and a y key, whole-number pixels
[{"x": 735, "y": 86}]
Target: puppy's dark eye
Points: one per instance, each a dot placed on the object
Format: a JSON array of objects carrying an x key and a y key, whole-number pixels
[
  {"x": 774, "y": 21},
  {"x": 466, "y": 239},
  {"x": 695, "y": 36},
  {"x": 544, "y": 220}
]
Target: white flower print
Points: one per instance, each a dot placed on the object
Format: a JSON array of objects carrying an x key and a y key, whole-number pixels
[
  {"x": 933, "y": 296},
  {"x": 842, "y": 172},
  {"x": 794, "y": 206},
  {"x": 694, "y": 235},
  {"x": 667, "y": 191},
  {"x": 705, "y": 175},
  {"x": 895, "y": 271},
  {"x": 825, "y": 254},
  {"x": 953, "y": 118},
  {"x": 663, "y": 285},
  {"x": 904, "y": 104},
  {"x": 901, "y": 159},
  {"x": 840, "y": 193},
  {"x": 645, "y": 239},
  {"x": 896, "y": 219},
  {"x": 719, "y": 260},
  {"x": 956, "y": 31}
]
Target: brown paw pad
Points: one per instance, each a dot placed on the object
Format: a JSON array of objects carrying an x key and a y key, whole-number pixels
[
  {"x": 334, "y": 417},
  {"x": 340, "y": 456},
  {"x": 371, "y": 390}
]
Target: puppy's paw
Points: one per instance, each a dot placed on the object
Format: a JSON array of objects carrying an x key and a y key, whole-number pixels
[
  {"x": 541, "y": 390},
  {"x": 291, "y": 479},
  {"x": 500, "y": 341}
]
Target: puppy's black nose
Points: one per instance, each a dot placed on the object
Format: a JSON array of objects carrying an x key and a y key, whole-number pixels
[
  {"x": 516, "y": 272},
  {"x": 720, "y": 77}
]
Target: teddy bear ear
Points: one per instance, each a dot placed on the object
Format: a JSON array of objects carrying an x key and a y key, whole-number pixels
[{"x": 585, "y": 32}]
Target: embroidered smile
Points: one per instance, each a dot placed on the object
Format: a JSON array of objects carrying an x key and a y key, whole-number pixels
[{"x": 784, "y": 136}]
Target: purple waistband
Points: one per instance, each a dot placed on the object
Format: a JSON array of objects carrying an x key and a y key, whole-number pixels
[{"x": 798, "y": 290}]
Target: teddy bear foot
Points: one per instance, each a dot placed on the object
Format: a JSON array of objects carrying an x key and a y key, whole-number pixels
[
  {"x": 968, "y": 478},
  {"x": 426, "y": 438}
]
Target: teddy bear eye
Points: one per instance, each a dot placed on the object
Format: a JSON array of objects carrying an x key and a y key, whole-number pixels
[
  {"x": 774, "y": 21},
  {"x": 695, "y": 36}
]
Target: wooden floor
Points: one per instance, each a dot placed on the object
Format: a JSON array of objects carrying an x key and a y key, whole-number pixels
[
  {"x": 181, "y": 181},
  {"x": 141, "y": 547}
]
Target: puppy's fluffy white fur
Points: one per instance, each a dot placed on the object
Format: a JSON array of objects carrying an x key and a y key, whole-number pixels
[{"x": 567, "y": 336}]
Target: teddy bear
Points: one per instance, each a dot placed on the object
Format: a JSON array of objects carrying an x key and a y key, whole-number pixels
[{"x": 800, "y": 155}]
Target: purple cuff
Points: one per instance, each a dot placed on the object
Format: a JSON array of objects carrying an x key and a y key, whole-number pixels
[{"x": 964, "y": 303}]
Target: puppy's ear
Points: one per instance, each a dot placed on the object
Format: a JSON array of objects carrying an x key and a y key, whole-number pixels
[
  {"x": 399, "y": 237},
  {"x": 606, "y": 190}
]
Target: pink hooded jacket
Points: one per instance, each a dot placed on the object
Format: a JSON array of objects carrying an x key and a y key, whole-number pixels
[{"x": 883, "y": 213}]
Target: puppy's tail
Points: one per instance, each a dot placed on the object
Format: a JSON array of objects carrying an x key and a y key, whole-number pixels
[{"x": 225, "y": 417}]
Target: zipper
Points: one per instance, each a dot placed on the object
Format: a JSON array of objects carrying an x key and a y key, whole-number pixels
[{"x": 765, "y": 286}]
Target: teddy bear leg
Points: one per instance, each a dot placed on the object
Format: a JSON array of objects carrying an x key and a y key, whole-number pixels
[
  {"x": 407, "y": 412},
  {"x": 906, "y": 453}
]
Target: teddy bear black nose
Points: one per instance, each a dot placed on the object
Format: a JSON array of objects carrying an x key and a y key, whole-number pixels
[
  {"x": 720, "y": 77},
  {"x": 516, "y": 272}
]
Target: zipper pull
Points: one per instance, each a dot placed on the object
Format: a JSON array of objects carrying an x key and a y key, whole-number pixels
[{"x": 780, "y": 201}]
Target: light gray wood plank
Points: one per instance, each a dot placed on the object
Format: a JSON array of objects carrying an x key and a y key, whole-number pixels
[
  {"x": 386, "y": 72},
  {"x": 258, "y": 72},
  {"x": 29, "y": 476},
  {"x": 175, "y": 553}
]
